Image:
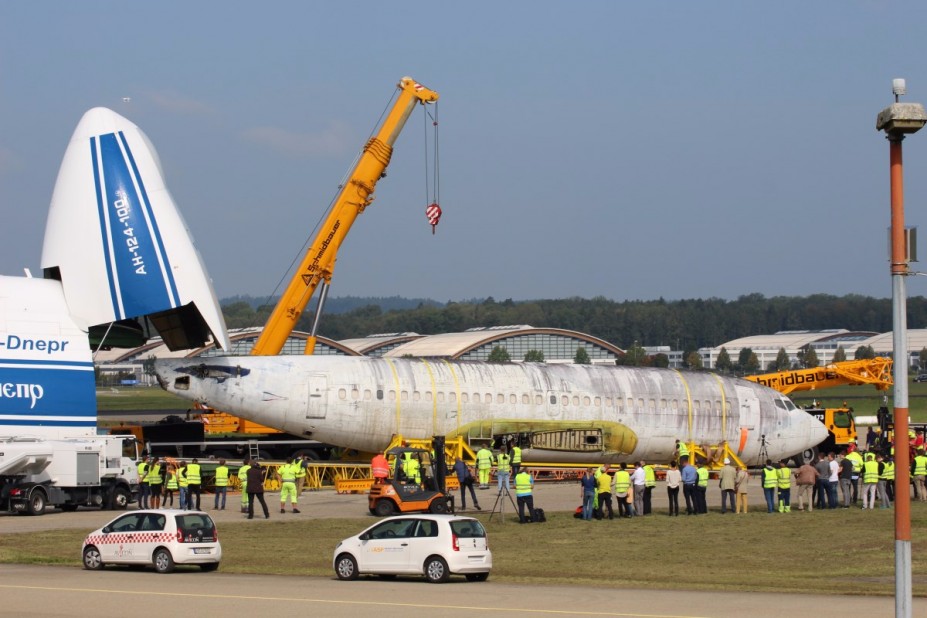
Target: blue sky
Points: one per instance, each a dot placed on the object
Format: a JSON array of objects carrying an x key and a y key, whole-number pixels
[{"x": 625, "y": 150}]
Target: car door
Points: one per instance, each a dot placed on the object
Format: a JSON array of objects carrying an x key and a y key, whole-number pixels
[
  {"x": 119, "y": 544},
  {"x": 423, "y": 543},
  {"x": 387, "y": 547}
]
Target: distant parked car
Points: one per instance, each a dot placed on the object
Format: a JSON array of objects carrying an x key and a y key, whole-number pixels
[
  {"x": 159, "y": 537},
  {"x": 436, "y": 546},
  {"x": 921, "y": 377}
]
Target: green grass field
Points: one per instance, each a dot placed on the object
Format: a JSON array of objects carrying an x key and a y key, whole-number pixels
[{"x": 831, "y": 551}]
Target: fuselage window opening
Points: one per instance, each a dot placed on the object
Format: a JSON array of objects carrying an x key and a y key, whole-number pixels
[
  {"x": 598, "y": 402},
  {"x": 575, "y": 400},
  {"x": 553, "y": 399},
  {"x": 440, "y": 397},
  {"x": 526, "y": 398},
  {"x": 538, "y": 400},
  {"x": 640, "y": 405},
  {"x": 608, "y": 402},
  {"x": 500, "y": 398},
  {"x": 513, "y": 398},
  {"x": 464, "y": 398},
  {"x": 663, "y": 406},
  {"x": 630, "y": 404},
  {"x": 404, "y": 395},
  {"x": 565, "y": 400},
  {"x": 675, "y": 405},
  {"x": 696, "y": 407},
  {"x": 342, "y": 394},
  {"x": 380, "y": 394},
  {"x": 416, "y": 396},
  {"x": 391, "y": 396},
  {"x": 428, "y": 396},
  {"x": 653, "y": 405},
  {"x": 487, "y": 398},
  {"x": 355, "y": 394}
]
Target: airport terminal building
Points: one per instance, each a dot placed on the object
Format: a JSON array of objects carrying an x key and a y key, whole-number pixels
[{"x": 557, "y": 346}]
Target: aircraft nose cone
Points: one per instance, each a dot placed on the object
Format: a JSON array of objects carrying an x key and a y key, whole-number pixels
[{"x": 811, "y": 427}]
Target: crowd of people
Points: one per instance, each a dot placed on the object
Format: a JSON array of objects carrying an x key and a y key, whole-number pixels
[{"x": 160, "y": 479}]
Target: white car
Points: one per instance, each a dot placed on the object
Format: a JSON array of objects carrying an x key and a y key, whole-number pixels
[
  {"x": 436, "y": 546},
  {"x": 158, "y": 537}
]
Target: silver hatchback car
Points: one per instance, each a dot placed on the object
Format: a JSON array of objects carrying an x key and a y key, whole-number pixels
[
  {"x": 162, "y": 538},
  {"x": 436, "y": 546}
]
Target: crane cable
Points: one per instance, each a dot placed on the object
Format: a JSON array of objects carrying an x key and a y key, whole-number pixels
[{"x": 433, "y": 210}]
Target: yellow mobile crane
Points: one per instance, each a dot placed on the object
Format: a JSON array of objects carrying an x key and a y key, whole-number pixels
[
  {"x": 839, "y": 421},
  {"x": 317, "y": 266},
  {"x": 355, "y": 196}
]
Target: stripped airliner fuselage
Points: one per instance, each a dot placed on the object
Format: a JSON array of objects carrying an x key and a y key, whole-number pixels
[{"x": 560, "y": 412}]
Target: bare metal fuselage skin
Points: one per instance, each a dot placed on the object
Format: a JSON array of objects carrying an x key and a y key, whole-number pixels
[{"x": 565, "y": 412}]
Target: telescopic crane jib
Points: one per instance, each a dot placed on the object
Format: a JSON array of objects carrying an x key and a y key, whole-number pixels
[{"x": 355, "y": 196}]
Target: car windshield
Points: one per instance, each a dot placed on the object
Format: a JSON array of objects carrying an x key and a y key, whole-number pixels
[
  {"x": 196, "y": 527},
  {"x": 468, "y": 529}
]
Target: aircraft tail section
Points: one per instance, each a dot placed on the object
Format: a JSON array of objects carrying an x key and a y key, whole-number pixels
[{"x": 119, "y": 246}]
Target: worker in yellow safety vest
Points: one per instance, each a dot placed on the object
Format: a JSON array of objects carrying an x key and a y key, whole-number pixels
[
  {"x": 870, "y": 480},
  {"x": 194, "y": 481},
  {"x": 503, "y": 470},
  {"x": 770, "y": 482},
  {"x": 484, "y": 462},
  {"x": 650, "y": 481},
  {"x": 857, "y": 460},
  {"x": 170, "y": 485},
  {"x": 412, "y": 470},
  {"x": 701, "y": 488},
  {"x": 222, "y": 485},
  {"x": 287, "y": 475},
  {"x": 143, "y": 487},
  {"x": 182, "y": 485},
  {"x": 622, "y": 487},
  {"x": 301, "y": 464},
  {"x": 243, "y": 481},
  {"x": 154, "y": 483},
  {"x": 919, "y": 471},
  {"x": 516, "y": 459},
  {"x": 524, "y": 483},
  {"x": 888, "y": 475},
  {"x": 681, "y": 450},
  {"x": 784, "y": 481}
]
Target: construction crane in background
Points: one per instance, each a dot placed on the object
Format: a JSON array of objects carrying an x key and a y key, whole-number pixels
[
  {"x": 840, "y": 423},
  {"x": 356, "y": 194}
]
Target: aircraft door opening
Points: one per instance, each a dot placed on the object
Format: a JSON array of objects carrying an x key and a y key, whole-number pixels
[{"x": 318, "y": 396}]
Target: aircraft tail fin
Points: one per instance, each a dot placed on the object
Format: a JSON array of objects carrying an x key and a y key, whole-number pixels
[{"x": 119, "y": 246}]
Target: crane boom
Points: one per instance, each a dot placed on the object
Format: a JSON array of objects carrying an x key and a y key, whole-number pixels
[
  {"x": 357, "y": 193},
  {"x": 875, "y": 371}
]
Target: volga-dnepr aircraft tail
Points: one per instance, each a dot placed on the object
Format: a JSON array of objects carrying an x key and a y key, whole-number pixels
[{"x": 118, "y": 266}]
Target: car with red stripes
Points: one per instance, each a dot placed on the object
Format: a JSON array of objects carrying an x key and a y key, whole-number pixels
[{"x": 162, "y": 538}]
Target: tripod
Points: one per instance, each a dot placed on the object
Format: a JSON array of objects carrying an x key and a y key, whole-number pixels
[{"x": 500, "y": 503}]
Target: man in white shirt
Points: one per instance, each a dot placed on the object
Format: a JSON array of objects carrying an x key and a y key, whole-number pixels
[
  {"x": 639, "y": 479},
  {"x": 834, "y": 468}
]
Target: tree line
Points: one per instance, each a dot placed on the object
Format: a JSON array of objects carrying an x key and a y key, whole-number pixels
[{"x": 685, "y": 325}]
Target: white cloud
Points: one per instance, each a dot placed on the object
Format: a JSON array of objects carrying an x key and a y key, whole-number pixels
[{"x": 332, "y": 141}]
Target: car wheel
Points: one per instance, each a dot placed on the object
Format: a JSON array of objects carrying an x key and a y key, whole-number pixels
[
  {"x": 346, "y": 567},
  {"x": 436, "y": 570},
  {"x": 209, "y": 566},
  {"x": 163, "y": 561},
  {"x": 36, "y": 504},
  {"x": 477, "y": 577},
  {"x": 438, "y": 505},
  {"x": 93, "y": 561},
  {"x": 384, "y": 508}
]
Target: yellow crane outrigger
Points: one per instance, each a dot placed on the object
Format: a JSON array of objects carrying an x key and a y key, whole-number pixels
[{"x": 355, "y": 196}]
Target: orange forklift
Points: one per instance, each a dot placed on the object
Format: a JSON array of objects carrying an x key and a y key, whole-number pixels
[{"x": 417, "y": 483}]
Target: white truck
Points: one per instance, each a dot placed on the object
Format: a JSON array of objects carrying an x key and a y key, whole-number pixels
[{"x": 36, "y": 473}]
